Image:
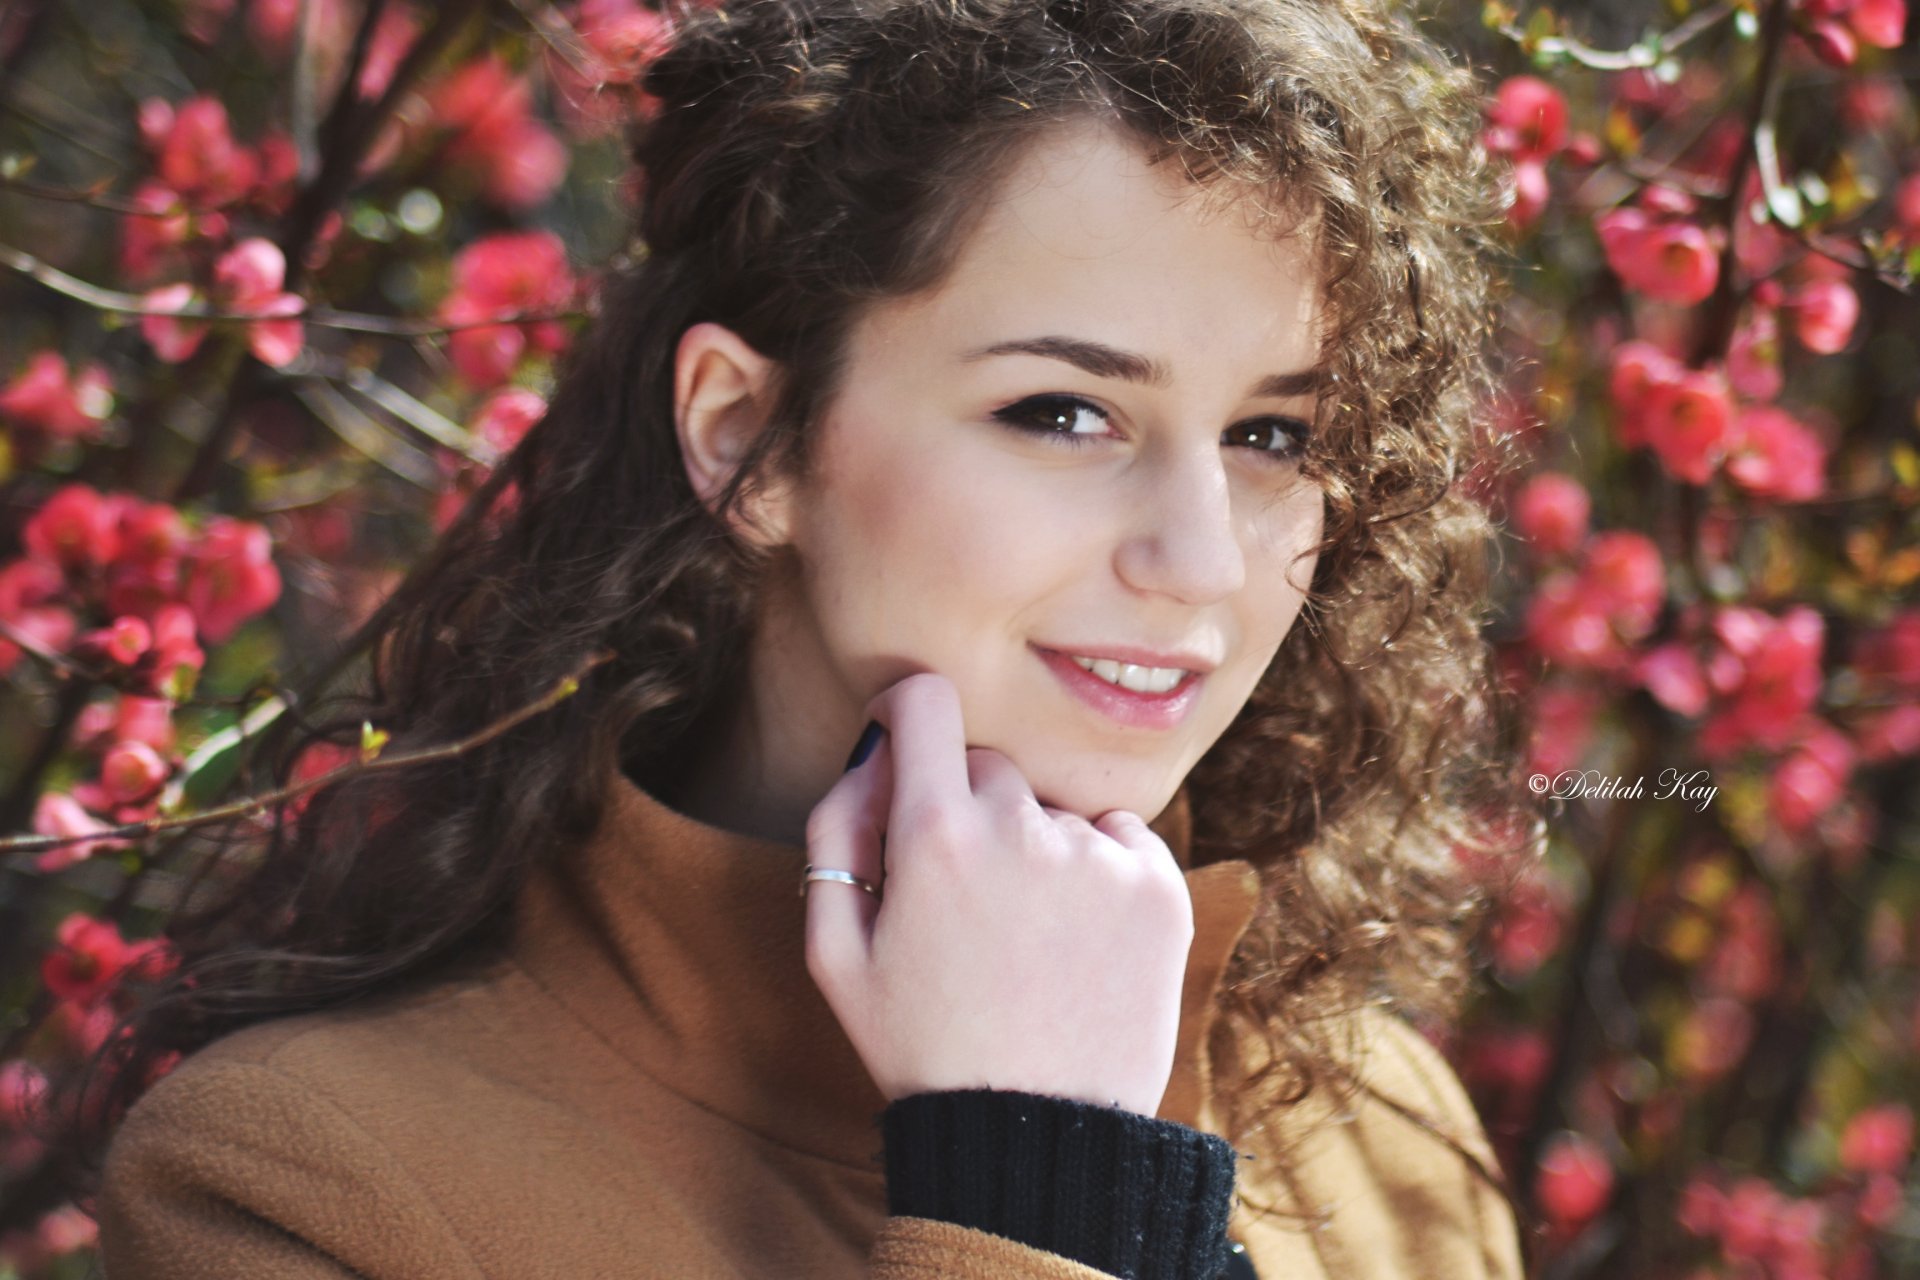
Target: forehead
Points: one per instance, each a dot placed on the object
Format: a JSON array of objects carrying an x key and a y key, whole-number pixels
[{"x": 1083, "y": 233}]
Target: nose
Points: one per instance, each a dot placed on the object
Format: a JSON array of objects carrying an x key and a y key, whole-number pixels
[{"x": 1182, "y": 538}]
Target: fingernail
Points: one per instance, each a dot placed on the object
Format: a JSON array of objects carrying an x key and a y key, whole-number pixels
[{"x": 869, "y": 739}]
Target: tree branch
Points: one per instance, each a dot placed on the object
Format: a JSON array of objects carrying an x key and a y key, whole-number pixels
[{"x": 562, "y": 690}]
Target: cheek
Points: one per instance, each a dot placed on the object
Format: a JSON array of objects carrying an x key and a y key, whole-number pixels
[
  {"x": 950, "y": 529},
  {"x": 1283, "y": 564}
]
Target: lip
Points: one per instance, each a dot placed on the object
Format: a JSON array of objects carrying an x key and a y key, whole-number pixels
[{"x": 1124, "y": 706}]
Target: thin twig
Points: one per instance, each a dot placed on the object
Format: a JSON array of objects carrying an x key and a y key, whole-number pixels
[
  {"x": 1644, "y": 54},
  {"x": 95, "y": 196},
  {"x": 562, "y": 690},
  {"x": 133, "y": 304}
]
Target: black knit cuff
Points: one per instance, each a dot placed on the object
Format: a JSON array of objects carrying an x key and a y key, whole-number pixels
[{"x": 1131, "y": 1195}]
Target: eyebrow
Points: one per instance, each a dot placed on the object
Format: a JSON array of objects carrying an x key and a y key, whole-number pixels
[{"x": 1103, "y": 361}]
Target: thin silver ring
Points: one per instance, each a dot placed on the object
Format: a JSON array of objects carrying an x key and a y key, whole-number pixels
[{"x": 838, "y": 877}]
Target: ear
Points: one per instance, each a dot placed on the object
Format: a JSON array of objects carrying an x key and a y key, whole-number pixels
[{"x": 722, "y": 392}]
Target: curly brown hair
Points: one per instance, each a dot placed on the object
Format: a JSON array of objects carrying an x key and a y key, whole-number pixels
[{"x": 806, "y": 159}]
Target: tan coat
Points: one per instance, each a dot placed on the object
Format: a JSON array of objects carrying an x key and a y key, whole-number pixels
[{"x": 650, "y": 1085}]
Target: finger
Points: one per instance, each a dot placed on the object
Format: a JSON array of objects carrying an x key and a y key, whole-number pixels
[
  {"x": 928, "y": 742},
  {"x": 996, "y": 778},
  {"x": 1131, "y": 832},
  {"x": 846, "y": 832}
]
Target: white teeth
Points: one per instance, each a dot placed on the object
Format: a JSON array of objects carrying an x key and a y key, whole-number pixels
[{"x": 1129, "y": 676}]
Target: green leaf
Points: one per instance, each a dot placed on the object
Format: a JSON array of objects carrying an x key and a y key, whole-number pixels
[{"x": 207, "y": 783}]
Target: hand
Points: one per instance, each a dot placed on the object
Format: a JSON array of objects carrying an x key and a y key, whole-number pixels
[{"x": 1016, "y": 946}]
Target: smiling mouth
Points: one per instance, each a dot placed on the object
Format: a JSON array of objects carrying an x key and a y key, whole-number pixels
[{"x": 1157, "y": 705}]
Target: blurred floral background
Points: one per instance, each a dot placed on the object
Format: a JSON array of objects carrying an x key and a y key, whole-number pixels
[{"x": 281, "y": 279}]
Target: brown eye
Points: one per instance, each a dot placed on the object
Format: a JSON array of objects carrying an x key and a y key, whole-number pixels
[
  {"x": 1058, "y": 416},
  {"x": 1285, "y": 439}
]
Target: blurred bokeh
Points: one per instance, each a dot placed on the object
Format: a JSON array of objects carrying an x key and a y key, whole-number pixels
[{"x": 281, "y": 279}]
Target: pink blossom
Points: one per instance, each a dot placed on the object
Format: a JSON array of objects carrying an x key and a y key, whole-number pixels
[
  {"x": 1562, "y": 727},
  {"x": 121, "y": 642},
  {"x": 172, "y": 338},
  {"x": 199, "y": 158},
  {"x": 58, "y": 814},
  {"x": 47, "y": 397},
  {"x": 620, "y": 38},
  {"x": 247, "y": 279},
  {"x": 1508, "y": 1061},
  {"x": 1637, "y": 367},
  {"x": 159, "y": 223},
  {"x": 1567, "y": 626},
  {"x": 517, "y": 272},
  {"x": 1890, "y": 653},
  {"x": 1527, "y": 120},
  {"x": 87, "y": 959},
  {"x": 145, "y": 574},
  {"x": 506, "y": 417},
  {"x": 230, "y": 576},
  {"x": 1831, "y": 42},
  {"x": 30, "y": 602},
  {"x": 490, "y": 109},
  {"x": 1531, "y": 192},
  {"x": 77, "y": 528},
  {"x": 1881, "y": 1199},
  {"x": 1881, "y": 23},
  {"x": 1551, "y": 512},
  {"x": 1673, "y": 675},
  {"x": 1753, "y": 357},
  {"x": 1890, "y": 734},
  {"x": 131, "y": 772},
  {"x": 1777, "y": 457},
  {"x": 392, "y": 38},
  {"x": 128, "y": 716},
  {"x": 1770, "y": 669},
  {"x": 1702, "y": 1205},
  {"x": 1527, "y": 930},
  {"x": 1625, "y": 576},
  {"x": 1878, "y": 1140},
  {"x": 176, "y": 658},
  {"x": 279, "y": 168},
  {"x": 1689, "y": 423},
  {"x": 1574, "y": 1182},
  {"x": 1668, "y": 260},
  {"x": 1824, "y": 314}
]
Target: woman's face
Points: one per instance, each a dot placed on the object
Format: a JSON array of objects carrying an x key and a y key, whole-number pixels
[{"x": 1084, "y": 442}]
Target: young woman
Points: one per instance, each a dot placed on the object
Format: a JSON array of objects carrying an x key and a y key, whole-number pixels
[{"x": 1068, "y": 402}]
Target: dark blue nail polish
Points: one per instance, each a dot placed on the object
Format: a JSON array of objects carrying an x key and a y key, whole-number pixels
[{"x": 864, "y": 748}]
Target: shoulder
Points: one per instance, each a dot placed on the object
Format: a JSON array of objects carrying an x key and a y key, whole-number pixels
[
  {"x": 1397, "y": 1173},
  {"x": 232, "y": 1165},
  {"x": 288, "y": 1134}
]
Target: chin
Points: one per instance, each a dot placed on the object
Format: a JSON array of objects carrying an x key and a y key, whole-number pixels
[{"x": 1090, "y": 802}]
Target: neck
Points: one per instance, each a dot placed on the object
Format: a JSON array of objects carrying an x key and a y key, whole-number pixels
[{"x": 766, "y": 755}]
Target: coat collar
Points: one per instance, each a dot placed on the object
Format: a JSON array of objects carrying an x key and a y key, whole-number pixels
[{"x": 682, "y": 946}]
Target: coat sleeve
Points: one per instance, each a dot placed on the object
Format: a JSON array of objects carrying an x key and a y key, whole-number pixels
[
  {"x": 1097, "y": 1188},
  {"x": 232, "y": 1170}
]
